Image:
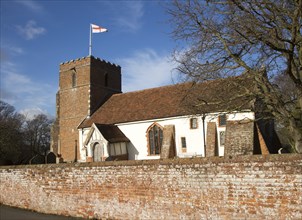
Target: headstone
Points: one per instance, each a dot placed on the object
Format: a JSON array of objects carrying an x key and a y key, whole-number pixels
[
  {"x": 37, "y": 159},
  {"x": 51, "y": 158}
]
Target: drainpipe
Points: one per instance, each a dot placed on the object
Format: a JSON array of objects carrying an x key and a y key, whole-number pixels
[{"x": 204, "y": 133}]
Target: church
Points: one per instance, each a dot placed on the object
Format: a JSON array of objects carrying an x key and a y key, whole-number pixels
[{"x": 95, "y": 121}]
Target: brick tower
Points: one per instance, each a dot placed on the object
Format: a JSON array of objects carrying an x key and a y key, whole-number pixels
[{"x": 84, "y": 85}]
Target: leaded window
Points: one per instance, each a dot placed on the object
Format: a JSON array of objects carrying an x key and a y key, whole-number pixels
[{"x": 155, "y": 139}]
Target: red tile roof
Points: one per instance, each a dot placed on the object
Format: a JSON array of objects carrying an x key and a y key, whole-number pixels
[{"x": 175, "y": 100}]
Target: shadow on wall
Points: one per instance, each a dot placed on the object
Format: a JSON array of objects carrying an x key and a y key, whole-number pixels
[
  {"x": 132, "y": 151},
  {"x": 265, "y": 135},
  {"x": 49, "y": 158}
]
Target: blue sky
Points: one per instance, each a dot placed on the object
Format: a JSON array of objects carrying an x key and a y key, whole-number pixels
[{"x": 36, "y": 36}]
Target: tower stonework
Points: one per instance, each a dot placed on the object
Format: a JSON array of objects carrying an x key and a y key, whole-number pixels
[{"x": 84, "y": 85}]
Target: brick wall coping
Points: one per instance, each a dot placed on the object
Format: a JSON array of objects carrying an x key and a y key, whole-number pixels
[{"x": 178, "y": 161}]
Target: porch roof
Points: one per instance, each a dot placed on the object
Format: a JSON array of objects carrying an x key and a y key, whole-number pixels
[{"x": 112, "y": 133}]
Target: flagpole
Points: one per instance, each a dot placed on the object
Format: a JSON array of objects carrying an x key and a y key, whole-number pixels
[
  {"x": 94, "y": 29},
  {"x": 90, "y": 45}
]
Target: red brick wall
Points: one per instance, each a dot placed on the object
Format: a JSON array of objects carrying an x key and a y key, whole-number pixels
[{"x": 244, "y": 187}]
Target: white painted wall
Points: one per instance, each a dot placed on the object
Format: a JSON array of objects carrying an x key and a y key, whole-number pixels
[{"x": 136, "y": 132}]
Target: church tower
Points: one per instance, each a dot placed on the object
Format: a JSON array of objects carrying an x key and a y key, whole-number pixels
[{"x": 84, "y": 85}]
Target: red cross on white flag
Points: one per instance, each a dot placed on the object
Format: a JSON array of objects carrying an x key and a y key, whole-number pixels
[
  {"x": 94, "y": 29},
  {"x": 97, "y": 29}
]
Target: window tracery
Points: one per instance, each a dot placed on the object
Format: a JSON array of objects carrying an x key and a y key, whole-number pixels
[{"x": 155, "y": 139}]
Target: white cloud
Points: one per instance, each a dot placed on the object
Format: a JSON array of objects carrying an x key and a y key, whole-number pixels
[
  {"x": 22, "y": 92},
  {"x": 32, "y": 5},
  {"x": 146, "y": 69},
  {"x": 31, "y": 30},
  {"x": 30, "y": 113}
]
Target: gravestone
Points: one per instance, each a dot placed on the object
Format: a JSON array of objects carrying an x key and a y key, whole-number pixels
[{"x": 51, "y": 158}]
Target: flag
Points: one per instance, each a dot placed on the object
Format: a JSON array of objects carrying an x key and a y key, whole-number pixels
[{"x": 97, "y": 29}]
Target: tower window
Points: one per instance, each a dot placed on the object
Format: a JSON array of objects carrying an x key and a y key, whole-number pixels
[
  {"x": 155, "y": 139},
  {"x": 74, "y": 79},
  {"x": 106, "y": 79}
]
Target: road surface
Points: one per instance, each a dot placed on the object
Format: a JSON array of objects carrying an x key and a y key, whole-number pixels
[{"x": 10, "y": 213}]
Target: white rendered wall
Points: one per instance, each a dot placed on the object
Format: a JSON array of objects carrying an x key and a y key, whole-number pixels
[{"x": 136, "y": 132}]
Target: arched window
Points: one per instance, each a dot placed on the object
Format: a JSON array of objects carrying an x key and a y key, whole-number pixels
[
  {"x": 155, "y": 139},
  {"x": 74, "y": 79}
]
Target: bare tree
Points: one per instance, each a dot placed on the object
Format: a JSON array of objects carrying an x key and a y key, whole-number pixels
[
  {"x": 11, "y": 137},
  {"x": 37, "y": 134},
  {"x": 259, "y": 37},
  {"x": 21, "y": 139}
]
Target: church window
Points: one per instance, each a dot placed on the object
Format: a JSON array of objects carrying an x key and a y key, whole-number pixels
[
  {"x": 183, "y": 144},
  {"x": 193, "y": 123},
  {"x": 155, "y": 139},
  {"x": 106, "y": 79},
  {"x": 74, "y": 79},
  {"x": 222, "y": 120}
]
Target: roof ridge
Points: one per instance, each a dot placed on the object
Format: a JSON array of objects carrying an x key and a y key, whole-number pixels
[
  {"x": 178, "y": 84},
  {"x": 154, "y": 88}
]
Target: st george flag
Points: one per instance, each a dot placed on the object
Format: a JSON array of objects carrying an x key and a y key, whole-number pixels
[{"x": 97, "y": 29}]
